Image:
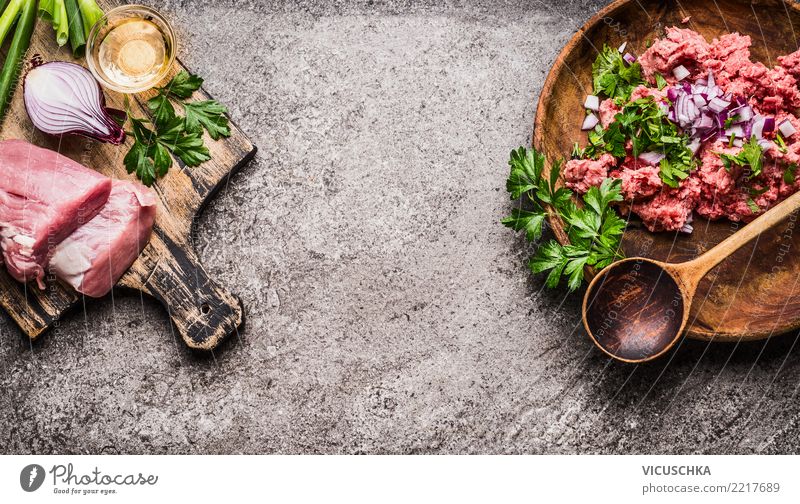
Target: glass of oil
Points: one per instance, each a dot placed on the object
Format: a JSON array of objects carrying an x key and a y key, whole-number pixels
[{"x": 130, "y": 49}]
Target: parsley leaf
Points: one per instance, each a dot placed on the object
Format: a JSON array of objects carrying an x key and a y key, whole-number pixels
[
  {"x": 526, "y": 170},
  {"x": 187, "y": 146},
  {"x": 612, "y": 77},
  {"x": 789, "y": 173},
  {"x": 137, "y": 161},
  {"x": 208, "y": 114},
  {"x": 183, "y": 85},
  {"x": 162, "y": 108},
  {"x": 750, "y": 155},
  {"x": 781, "y": 143},
  {"x": 661, "y": 82},
  {"x": 531, "y": 222},
  {"x": 594, "y": 229}
]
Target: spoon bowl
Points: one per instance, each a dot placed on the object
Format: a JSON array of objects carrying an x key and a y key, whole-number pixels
[{"x": 635, "y": 309}]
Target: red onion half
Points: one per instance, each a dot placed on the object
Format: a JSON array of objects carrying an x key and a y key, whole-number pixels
[{"x": 64, "y": 98}]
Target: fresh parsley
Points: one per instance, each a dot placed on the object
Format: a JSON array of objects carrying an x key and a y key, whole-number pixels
[
  {"x": 182, "y": 86},
  {"x": 781, "y": 143},
  {"x": 646, "y": 125},
  {"x": 612, "y": 76},
  {"x": 166, "y": 133},
  {"x": 594, "y": 229},
  {"x": 790, "y": 173},
  {"x": 750, "y": 155},
  {"x": 661, "y": 82}
]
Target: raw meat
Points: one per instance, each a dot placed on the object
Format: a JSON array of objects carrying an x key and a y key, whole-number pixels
[
  {"x": 581, "y": 174},
  {"x": 44, "y": 197},
  {"x": 93, "y": 258},
  {"x": 681, "y": 46}
]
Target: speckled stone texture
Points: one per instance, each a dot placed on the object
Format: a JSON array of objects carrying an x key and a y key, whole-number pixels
[{"x": 388, "y": 311}]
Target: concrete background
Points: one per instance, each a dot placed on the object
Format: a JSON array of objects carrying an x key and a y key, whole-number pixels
[{"x": 388, "y": 310}]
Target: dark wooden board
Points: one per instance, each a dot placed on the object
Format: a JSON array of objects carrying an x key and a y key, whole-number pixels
[
  {"x": 756, "y": 292},
  {"x": 203, "y": 312}
]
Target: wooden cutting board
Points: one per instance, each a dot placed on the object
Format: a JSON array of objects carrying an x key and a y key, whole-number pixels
[{"x": 203, "y": 312}]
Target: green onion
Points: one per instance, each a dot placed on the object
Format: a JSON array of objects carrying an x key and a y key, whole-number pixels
[
  {"x": 19, "y": 46},
  {"x": 55, "y": 12},
  {"x": 9, "y": 16},
  {"x": 77, "y": 39},
  {"x": 90, "y": 13}
]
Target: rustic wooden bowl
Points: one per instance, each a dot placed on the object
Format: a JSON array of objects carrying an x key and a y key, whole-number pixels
[{"x": 755, "y": 293}]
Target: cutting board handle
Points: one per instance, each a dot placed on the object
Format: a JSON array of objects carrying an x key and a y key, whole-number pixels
[{"x": 203, "y": 312}]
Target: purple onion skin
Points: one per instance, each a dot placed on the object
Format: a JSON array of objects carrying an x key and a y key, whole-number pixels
[{"x": 117, "y": 135}]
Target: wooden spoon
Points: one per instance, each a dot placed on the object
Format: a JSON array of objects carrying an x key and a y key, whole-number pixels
[{"x": 636, "y": 309}]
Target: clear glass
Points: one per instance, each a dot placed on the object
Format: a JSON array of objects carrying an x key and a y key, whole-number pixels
[{"x": 131, "y": 49}]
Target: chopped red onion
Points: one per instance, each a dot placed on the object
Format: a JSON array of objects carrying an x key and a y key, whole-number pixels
[
  {"x": 718, "y": 105},
  {"x": 680, "y": 72},
  {"x": 786, "y": 128},
  {"x": 765, "y": 144},
  {"x": 735, "y": 130},
  {"x": 592, "y": 103},
  {"x": 744, "y": 112},
  {"x": 651, "y": 158},
  {"x": 705, "y": 122},
  {"x": 769, "y": 125},
  {"x": 699, "y": 100},
  {"x": 590, "y": 122},
  {"x": 758, "y": 127},
  {"x": 672, "y": 94},
  {"x": 629, "y": 58}
]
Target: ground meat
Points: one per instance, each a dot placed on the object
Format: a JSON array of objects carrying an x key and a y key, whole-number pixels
[
  {"x": 670, "y": 209},
  {"x": 681, "y": 46},
  {"x": 644, "y": 91},
  {"x": 723, "y": 192},
  {"x": 712, "y": 190},
  {"x": 640, "y": 183},
  {"x": 711, "y": 173},
  {"x": 581, "y": 174},
  {"x": 770, "y": 90},
  {"x": 727, "y": 55},
  {"x": 776, "y": 92},
  {"x": 791, "y": 63},
  {"x": 608, "y": 109},
  {"x": 776, "y": 162}
]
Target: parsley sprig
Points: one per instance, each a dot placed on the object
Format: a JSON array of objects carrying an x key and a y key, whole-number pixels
[
  {"x": 750, "y": 155},
  {"x": 166, "y": 133},
  {"x": 594, "y": 230},
  {"x": 612, "y": 76}
]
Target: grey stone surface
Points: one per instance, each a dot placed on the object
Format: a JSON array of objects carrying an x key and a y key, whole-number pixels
[{"x": 387, "y": 309}]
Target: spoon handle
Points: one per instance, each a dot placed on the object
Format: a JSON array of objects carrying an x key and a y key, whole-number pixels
[{"x": 697, "y": 268}]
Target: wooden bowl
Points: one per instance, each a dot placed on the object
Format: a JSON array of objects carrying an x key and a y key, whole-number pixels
[{"x": 754, "y": 294}]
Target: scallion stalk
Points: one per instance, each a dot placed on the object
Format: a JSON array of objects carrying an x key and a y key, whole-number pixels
[
  {"x": 55, "y": 12},
  {"x": 77, "y": 40},
  {"x": 12, "y": 67},
  {"x": 8, "y": 17},
  {"x": 90, "y": 13}
]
